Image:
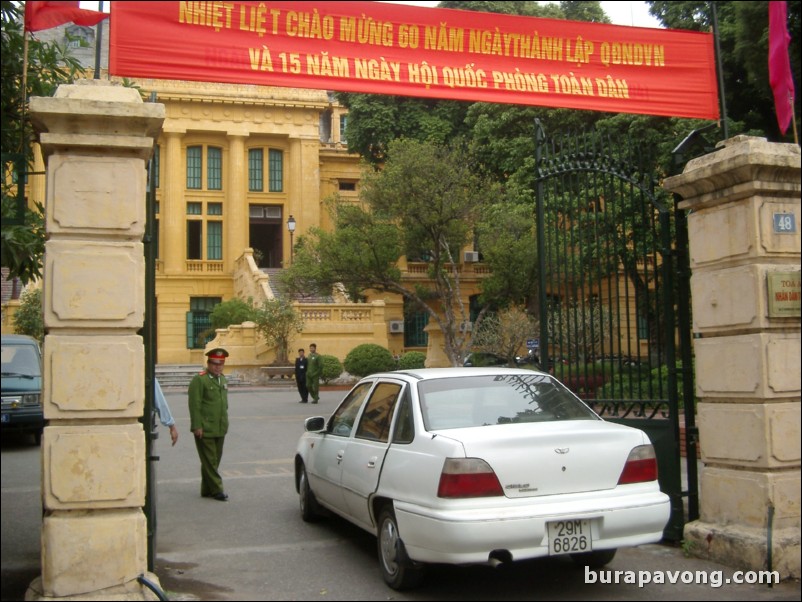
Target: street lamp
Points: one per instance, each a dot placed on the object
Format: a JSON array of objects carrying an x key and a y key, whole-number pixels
[{"x": 291, "y": 228}]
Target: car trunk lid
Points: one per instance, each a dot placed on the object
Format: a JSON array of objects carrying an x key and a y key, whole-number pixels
[{"x": 551, "y": 458}]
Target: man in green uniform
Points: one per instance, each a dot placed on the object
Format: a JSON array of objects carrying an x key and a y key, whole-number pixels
[
  {"x": 208, "y": 413},
  {"x": 314, "y": 369}
]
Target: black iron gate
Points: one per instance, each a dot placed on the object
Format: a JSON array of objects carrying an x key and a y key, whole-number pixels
[{"x": 608, "y": 292}]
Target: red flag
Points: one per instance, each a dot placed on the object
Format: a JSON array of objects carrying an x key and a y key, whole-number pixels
[
  {"x": 780, "y": 78},
  {"x": 44, "y": 15}
]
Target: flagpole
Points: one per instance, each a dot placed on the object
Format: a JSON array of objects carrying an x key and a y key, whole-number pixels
[
  {"x": 98, "y": 43},
  {"x": 720, "y": 69}
]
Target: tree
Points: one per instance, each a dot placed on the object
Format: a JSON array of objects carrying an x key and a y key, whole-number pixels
[
  {"x": 277, "y": 321},
  {"x": 28, "y": 319},
  {"x": 743, "y": 39},
  {"x": 373, "y": 121},
  {"x": 579, "y": 330},
  {"x": 505, "y": 236},
  {"x": 49, "y": 65},
  {"x": 422, "y": 204},
  {"x": 505, "y": 333}
]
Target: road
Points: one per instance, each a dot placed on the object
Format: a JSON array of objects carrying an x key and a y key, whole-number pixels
[{"x": 256, "y": 547}]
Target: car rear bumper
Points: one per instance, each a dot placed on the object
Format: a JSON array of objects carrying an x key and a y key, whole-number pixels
[{"x": 469, "y": 535}]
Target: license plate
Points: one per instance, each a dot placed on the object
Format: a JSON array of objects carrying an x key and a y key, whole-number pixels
[{"x": 569, "y": 537}]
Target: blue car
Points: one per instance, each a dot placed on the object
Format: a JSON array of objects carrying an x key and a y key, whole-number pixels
[{"x": 22, "y": 385}]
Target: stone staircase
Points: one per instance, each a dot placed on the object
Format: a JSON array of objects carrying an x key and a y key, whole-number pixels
[
  {"x": 278, "y": 293},
  {"x": 175, "y": 376}
]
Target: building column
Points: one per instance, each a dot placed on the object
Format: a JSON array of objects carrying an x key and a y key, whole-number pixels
[
  {"x": 743, "y": 224},
  {"x": 96, "y": 139},
  {"x": 172, "y": 210},
  {"x": 303, "y": 201},
  {"x": 235, "y": 209}
]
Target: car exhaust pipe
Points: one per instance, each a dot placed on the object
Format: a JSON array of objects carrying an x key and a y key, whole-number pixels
[{"x": 498, "y": 557}]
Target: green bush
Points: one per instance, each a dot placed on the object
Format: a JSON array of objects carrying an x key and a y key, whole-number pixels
[
  {"x": 233, "y": 311},
  {"x": 332, "y": 368},
  {"x": 368, "y": 358},
  {"x": 638, "y": 382},
  {"x": 412, "y": 360},
  {"x": 29, "y": 319}
]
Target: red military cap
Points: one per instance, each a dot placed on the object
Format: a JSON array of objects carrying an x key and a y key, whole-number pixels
[{"x": 217, "y": 353}]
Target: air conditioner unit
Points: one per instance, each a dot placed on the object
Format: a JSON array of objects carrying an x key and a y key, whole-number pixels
[
  {"x": 396, "y": 326},
  {"x": 471, "y": 256},
  {"x": 466, "y": 326}
]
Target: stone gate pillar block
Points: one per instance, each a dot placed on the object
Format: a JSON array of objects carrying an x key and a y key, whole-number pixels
[
  {"x": 743, "y": 225},
  {"x": 96, "y": 138}
]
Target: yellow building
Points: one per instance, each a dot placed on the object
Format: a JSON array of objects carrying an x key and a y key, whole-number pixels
[{"x": 234, "y": 166}]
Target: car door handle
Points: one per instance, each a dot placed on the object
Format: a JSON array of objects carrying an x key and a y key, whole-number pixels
[
  {"x": 372, "y": 462},
  {"x": 339, "y": 456}
]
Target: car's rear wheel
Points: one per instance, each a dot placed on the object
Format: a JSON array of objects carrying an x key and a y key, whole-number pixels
[
  {"x": 594, "y": 559},
  {"x": 398, "y": 571},
  {"x": 310, "y": 511}
]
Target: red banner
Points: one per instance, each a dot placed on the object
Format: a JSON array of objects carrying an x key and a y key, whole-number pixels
[{"x": 380, "y": 48}]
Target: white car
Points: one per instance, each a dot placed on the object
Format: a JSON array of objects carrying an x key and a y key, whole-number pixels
[{"x": 478, "y": 466}]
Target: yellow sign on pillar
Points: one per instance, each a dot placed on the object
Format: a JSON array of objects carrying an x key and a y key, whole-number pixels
[{"x": 784, "y": 291}]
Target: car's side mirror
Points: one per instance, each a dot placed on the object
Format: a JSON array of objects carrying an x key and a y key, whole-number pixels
[{"x": 315, "y": 424}]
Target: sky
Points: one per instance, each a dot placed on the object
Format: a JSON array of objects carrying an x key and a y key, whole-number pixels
[{"x": 620, "y": 12}]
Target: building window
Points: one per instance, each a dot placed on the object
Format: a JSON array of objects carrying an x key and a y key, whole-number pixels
[
  {"x": 214, "y": 168},
  {"x": 255, "y": 170},
  {"x": 194, "y": 239},
  {"x": 214, "y": 240},
  {"x": 199, "y": 323},
  {"x": 343, "y": 125},
  {"x": 643, "y": 328},
  {"x": 214, "y": 231},
  {"x": 325, "y": 127},
  {"x": 194, "y": 167},
  {"x": 414, "y": 323},
  {"x": 276, "y": 159}
]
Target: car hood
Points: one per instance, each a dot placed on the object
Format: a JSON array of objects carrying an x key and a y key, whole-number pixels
[{"x": 551, "y": 458}]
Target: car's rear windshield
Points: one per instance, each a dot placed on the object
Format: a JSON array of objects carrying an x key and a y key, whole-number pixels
[{"x": 468, "y": 401}]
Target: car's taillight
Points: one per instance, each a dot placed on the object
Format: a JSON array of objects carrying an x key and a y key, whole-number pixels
[
  {"x": 641, "y": 466},
  {"x": 468, "y": 477}
]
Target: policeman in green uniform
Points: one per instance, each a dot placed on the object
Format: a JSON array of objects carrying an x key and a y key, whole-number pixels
[
  {"x": 208, "y": 413},
  {"x": 314, "y": 370}
]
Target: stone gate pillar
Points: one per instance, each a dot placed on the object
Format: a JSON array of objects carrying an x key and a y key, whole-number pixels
[
  {"x": 96, "y": 138},
  {"x": 743, "y": 224}
]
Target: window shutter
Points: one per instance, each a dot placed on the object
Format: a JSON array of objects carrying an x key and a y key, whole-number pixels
[{"x": 190, "y": 330}]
